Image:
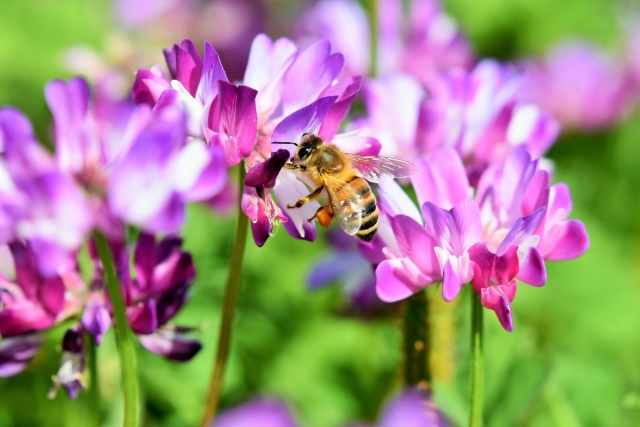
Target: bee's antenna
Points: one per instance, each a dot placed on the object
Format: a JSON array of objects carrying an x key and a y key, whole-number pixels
[{"x": 292, "y": 143}]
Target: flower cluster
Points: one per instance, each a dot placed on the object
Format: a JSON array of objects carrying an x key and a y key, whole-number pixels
[
  {"x": 488, "y": 214},
  {"x": 285, "y": 93}
]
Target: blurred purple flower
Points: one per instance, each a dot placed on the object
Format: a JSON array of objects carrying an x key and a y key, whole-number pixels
[
  {"x": 579, "y": 85},
  {"x": 423, "y": 43},
  {"x": 39, "y": 203},
  {"x": 258, "y": 412},
  {"x": 30, "y": 303},
  {"x": 163, "y": 275},
  {"x": 412, "y": 408},
  {"x": 72, "y": 365},
  {"x": 16, "y": 352}
]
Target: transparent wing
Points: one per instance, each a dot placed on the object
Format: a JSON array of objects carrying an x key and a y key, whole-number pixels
[
  {"x": 372, "y": 168},
  {"x": 345, "y": 202}
]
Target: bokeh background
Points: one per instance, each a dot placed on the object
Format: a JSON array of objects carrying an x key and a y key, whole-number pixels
[{"x": 573, "y": 359}]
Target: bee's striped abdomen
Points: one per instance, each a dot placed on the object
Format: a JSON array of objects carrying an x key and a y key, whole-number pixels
[{"x": 369, "y": 210}]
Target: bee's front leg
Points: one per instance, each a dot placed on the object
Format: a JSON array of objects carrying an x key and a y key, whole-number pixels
[
  {"x": 301, "y": 201},
  {"x": 291, "y": 166}
]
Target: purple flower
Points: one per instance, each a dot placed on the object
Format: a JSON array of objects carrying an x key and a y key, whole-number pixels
[
  {"x": 258, "y": 412},
  {"x": 423, "y": 43},
  {"x": 160, "y": 173},
  {"x": 412, "y": 408},
  {"x": 30, "y": 303},
  {"x": 149, "y": 85},
  {"x": 39, "y": 203},
  {"x": 16, "y": 352},
  {"x": 581, "y": 86},
  {"x": 163, "y": 275},
  {"x": 72, "y": 365}
]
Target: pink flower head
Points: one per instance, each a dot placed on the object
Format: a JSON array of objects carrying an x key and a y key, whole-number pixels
[
  {"x": 260, "y": 411},
  {"x": 579, "y": 85}
]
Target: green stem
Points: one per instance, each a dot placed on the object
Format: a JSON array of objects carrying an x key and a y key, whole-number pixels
[
  {"x": 416, "y": 341},
  {"x": 230, "y": 299},
  {"x": 374, "y": 27},
  {"x": 94, "y": 391},
  {"x": 477, "y": 363},
  {"x": 124, "y": 336}
]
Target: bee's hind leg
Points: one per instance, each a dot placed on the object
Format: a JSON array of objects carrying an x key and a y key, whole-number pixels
[
  {"x": 324, "y": 215},
  {"x": 301, "y": 201}
]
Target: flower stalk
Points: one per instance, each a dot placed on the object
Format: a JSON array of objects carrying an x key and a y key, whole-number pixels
[
  {"x": 230, "y": 299},
  {"x": 124, "y": 335},
  {"x": 94, "y": 391},
  {"x": 373, "y": 25},
  {"x": 416, "y": 341},
  {"x": 477, "y": 363}
]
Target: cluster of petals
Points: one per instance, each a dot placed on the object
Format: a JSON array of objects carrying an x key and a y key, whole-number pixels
[
  {"x": 285, "y": 93},
  {"x": 581, "y": 86},
  {"x": 422, "y": 42},
  {"x": 479, "y": 112},
  {"x": 410, "y": 408},
  {"x": 492, "y": 236}
]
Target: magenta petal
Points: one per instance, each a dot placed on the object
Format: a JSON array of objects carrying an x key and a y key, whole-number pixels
[
  {"x": 143, "y": 317},
  {"x": 171, "y": 345},
  {"x": 144, "y": 258},
  {"x": 391, "y": 284},
  {"x": 304, "y": 120},
  {"x": 264, "y": 174},
  {"x": 521, "y": 230},
  {"x": 185, "y": 64},
  {"x": 149, "y": 85},
  {"x": 537, "y": 193},
  {"x": 246, "y": 120},
  {"x": 212, "y": 71},
  {"x": 52, "y": 295},
  {"x": 571, "y": 242},
  {"x": 394, "y": 201},
  {"x": 309, "y": 228},
  {"x": 532, "y": 269},
  {"x": 494, "y": 298},
  {"x": 441, "y": 179},
  {"x": 436, "y": 222},
  {"x": 341, "y": 107}
]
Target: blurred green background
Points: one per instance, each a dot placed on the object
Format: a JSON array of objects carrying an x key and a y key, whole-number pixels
[{"x": 573, "y": 359}]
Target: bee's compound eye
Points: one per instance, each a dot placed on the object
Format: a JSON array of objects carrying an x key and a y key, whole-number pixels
[{"x": 305, "y": 151}]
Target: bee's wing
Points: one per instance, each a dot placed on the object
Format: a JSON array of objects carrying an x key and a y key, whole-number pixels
[
  {"x": 372, "y": 168},
  {"x": 345, "y": 202}
]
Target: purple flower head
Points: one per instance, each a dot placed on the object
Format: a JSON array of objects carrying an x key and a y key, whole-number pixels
[
  {"x": 16, "y": 352},
  {"x": 149, "y": 85},
  {"x": 163, "y": 275},
  {"x": 263, "y": 412},
  {"x": 480, "y": 115},
  {"x": 162, "y": 171},
  {"x": 423, "y": 43},
  {"x": 39, "y": 204},
  {"x": 96, "y": 318},
  {"x": 581, "y": 86},
  {"x": 72, "y": 365}
]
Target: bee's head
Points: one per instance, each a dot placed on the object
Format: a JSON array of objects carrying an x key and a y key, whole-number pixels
[{"x": 308, "y": 145}]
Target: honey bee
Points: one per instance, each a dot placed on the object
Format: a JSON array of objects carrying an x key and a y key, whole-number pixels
[{"x": 343, "y": 178}]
